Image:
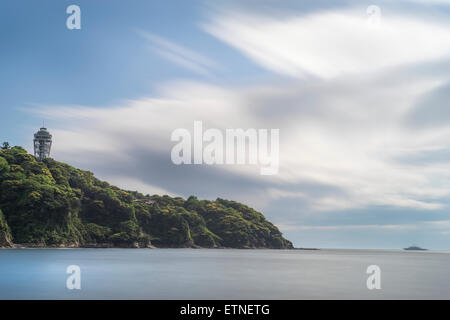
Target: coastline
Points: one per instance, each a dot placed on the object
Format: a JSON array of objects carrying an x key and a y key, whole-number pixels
[{"x": 110, "y": 246}]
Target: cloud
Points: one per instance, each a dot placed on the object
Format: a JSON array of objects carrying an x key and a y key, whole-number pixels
[
  {"x": 349, "y": 227},
  {"x": 352, "y": 137},
  {"x": 441, "y": 226},
  {"x": 343, "y": 137},
  {"x": 432, "y": 111},
  {"x": 134, "y": 184},
  {"x": 430, "y": 2},
  {"x": 179, "y": 55},
  {"x": 327, "y": 44}
]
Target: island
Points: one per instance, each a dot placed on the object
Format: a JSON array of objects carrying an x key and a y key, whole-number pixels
[
  {"x": 415, "y": 248},
  {"x": 52, "y": 204}
]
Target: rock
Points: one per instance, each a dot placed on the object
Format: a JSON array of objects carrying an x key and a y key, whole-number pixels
[{"x": 5, "y": 233}]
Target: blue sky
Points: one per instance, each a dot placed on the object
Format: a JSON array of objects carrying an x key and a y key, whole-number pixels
[{"x": 361, "y": 105}]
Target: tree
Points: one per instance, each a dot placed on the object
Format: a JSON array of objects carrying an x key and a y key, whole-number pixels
[{"x": 5, "y": 145}]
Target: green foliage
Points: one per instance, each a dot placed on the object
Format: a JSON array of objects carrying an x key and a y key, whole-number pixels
[
  {"x": 96, "y": 233},
  {"x": 53, "y": 204},
  {"x": 5, "y": 145}
]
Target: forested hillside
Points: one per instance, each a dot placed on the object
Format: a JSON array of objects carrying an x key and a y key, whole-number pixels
[{"x": 50, "y": 203}]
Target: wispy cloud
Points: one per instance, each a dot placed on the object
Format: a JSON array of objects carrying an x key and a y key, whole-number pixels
[
  {"x": 348, "y": 227},
  {"x": 349, "y": 138},
  {"x": 442, "y": 226},
  {"x": 136, "y": 184},
  {"x": 430, "y": 2},
  {"x": 180, "y": 55},
  {"x": 326, "y": 44},
  {"x": 344, "y": 134}
]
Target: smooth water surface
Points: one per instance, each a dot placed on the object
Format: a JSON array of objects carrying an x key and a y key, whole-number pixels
[{"x": 222, "y": 274}]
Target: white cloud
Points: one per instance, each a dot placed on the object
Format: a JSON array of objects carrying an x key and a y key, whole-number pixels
[
  {"x": 430, "y": 2},
  {"x": 349, "y": 227},
  {"x": 179, "y": 55},
  {"x": 134, "y": 184},
  {"x": 441, "y": 226},
  {"x": 332, "y": 43},
  {"x": 347, "y": 135}
]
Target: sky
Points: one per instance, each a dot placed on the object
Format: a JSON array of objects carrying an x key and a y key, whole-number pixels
[{"x": 359, "y": 91}]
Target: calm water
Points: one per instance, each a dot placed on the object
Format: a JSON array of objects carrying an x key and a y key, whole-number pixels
[{"x": 222, "y": 274}]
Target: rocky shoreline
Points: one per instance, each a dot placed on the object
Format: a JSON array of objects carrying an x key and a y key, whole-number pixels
[{"x": 125, "y": 246}]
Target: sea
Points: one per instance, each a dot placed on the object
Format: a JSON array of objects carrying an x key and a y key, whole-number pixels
[{"x": 223, "y": 274}]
